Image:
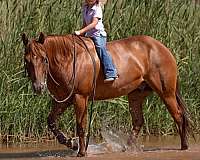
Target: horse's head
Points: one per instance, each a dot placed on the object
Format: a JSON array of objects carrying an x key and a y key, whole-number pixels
[{"x": 36, "y": 62}]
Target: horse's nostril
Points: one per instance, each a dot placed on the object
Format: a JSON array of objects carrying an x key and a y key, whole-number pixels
[
  {"x": 35, "y": 86},
  {"x": 38, "y": 87}
]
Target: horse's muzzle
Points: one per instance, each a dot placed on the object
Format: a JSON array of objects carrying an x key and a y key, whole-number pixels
[{"x": 39, "y": 87}]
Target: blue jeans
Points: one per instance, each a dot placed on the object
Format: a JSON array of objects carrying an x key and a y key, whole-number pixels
[{"x": 105, "y": 58}]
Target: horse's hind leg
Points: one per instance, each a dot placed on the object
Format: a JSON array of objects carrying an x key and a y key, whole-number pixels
[
  {"x": 178, "y": 115},
  {"x": 57, "y": 110},
  {"x": 136, "y": 99},
  {"x": 167, "y": 90}
]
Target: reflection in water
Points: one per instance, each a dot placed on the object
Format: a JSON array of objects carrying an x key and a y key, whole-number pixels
[
  {"x": 34, "y": 150},
  {"x": 54, "y": 153}
]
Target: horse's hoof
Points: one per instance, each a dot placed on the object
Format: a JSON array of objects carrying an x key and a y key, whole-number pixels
[
  {"x": 81, "y": 154},
  {"x": 184, "y": 147}
]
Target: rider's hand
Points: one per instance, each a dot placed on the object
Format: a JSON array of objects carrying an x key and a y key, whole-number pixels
[{"x": 78, "y": 33}]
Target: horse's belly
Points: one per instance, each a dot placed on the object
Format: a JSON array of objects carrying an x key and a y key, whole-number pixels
[{"x": 113, "y": 90}]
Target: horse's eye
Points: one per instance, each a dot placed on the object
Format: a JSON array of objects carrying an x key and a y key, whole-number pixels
[
  {"x": 26, "y": 62},
  {"x": 45, "y": 60}
]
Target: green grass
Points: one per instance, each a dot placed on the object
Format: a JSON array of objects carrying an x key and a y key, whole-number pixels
[{"x": 175, "y": 23}]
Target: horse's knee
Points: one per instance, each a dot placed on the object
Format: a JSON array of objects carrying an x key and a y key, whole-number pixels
[{"x": 51, "y": 123}]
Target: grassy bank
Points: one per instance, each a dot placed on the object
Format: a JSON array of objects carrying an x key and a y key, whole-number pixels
[{"x": 175, "y": 23}]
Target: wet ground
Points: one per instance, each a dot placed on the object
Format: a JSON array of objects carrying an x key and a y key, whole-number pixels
[{"x": 148, "y": 148}]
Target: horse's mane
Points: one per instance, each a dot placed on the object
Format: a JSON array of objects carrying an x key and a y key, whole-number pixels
[
  {"x": 59, "y": 48},
  {"x": 61, "y": 44}
]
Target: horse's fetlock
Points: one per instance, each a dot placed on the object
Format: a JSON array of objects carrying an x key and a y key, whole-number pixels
[
  {"x": 81, "y": 154},
  {"x": 69, "y": 143},
  {"x": 61, "y": 138}
]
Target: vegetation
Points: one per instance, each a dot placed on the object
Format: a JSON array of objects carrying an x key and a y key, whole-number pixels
[{"x": 175, "y": 23}]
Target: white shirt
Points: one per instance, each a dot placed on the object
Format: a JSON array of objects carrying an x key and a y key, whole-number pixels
[{"x": 88, "y": 15}]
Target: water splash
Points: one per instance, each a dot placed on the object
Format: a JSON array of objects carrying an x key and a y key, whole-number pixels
[{"x": 115, "y": 141}]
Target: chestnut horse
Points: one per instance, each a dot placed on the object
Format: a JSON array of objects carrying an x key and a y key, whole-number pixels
[{"x": 70, "y": 66}]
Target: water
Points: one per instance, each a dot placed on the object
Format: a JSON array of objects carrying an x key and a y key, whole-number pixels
[
  {"x": 114, "y": 147},
  {"x": 114, "y": 141}
]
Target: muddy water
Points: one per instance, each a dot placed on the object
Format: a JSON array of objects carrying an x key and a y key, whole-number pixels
[{"x": 148, "y": 148}]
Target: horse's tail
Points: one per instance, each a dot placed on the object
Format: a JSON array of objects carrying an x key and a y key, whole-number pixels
[{"x": 187, "y": 122}]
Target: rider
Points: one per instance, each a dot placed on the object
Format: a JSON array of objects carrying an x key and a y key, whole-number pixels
[{"x": 93, "y": 27}]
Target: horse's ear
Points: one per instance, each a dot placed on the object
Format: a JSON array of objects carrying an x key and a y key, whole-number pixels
[
  {"x": 41, "y": 38},
  {"x": 24, "y": 39}
]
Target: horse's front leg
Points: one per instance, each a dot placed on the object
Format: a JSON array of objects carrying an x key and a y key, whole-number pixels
[
  {"x": 57, "y": 110},
  {"x": 81, "y": 120}
]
